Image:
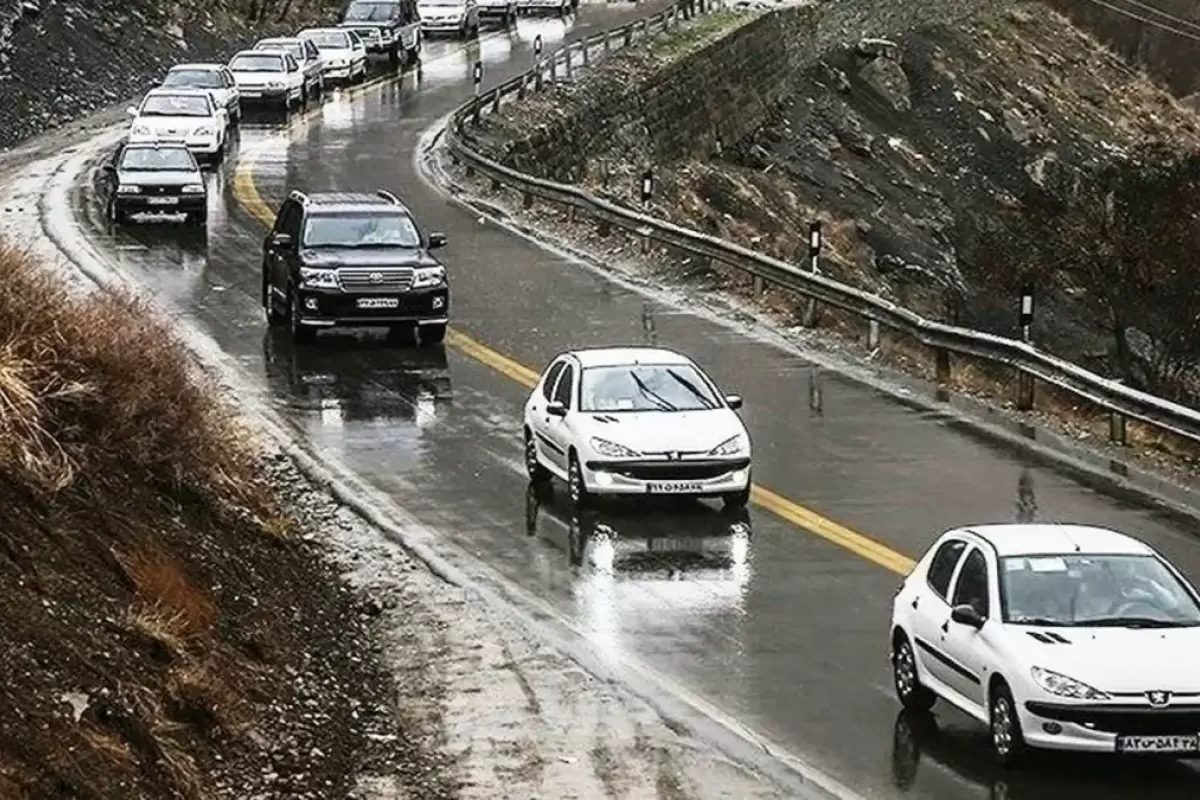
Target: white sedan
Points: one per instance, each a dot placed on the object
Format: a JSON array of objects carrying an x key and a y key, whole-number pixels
[
  {"x": 631, "y": 420},
  {"x": 344, "y": 55},
  {"x": 1062, "y": 637},
  {"x": 184, "y": 116}
]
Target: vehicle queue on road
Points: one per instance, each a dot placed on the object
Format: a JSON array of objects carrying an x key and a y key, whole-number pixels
[{"x": 1058, "y": 637}]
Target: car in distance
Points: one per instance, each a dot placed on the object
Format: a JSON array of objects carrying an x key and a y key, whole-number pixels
[
  {"x": 502, "y": 11},
  {"x": 269, "y": 77},
  {"x": 343, "y": 54},
  {"x": 392, "y": 27},
  {"x": 188, "y": 116},
  {"x": 1064, "y": 637},
  {"x": 307, "y": 55},
  {"x": 634, "y": 420},
  {"x": 354, "y": 260},
  {"x": 150, "y": 177},
  {"x": 216, "y": 79},
  {"x": 459, "y": 17},
  {"x": 560, "y": 7}
]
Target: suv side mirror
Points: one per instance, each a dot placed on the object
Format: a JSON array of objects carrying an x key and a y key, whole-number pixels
[
  {"x": 556, "y": 409},
  {"x": 281, "y": 241},
  {"x": 734, "y": 401},
  {"x": 437, "y": 239},
  {"x": 967, "y": 615}
]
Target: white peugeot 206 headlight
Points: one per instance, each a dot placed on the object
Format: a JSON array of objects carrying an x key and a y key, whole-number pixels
[
  {"x": 734, "y": 445},
  {"x": 1063, "y": 686},
  {"x": 611, "y": 449}
]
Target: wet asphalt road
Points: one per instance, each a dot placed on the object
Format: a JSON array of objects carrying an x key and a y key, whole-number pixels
[{"x": 777, "y": 627}]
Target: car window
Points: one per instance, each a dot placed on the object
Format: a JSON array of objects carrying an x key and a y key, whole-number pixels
[
  {"x": 1095, "y": 589},
  {"x": 971, "y": 588},
  {"x": 310, "y": 50},
  {"x": 551, "y": 377},
  {"x": 562, "y": 392},
  {"x": 646, "y": 387},
  {"x": 941, "y": 567}
]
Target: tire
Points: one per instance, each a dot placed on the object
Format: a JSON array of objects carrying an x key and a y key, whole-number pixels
[
  {"x": 270, "y": 309},
  {"x": 538, "y": 475},
  {"x": 576, "y": 489},
  {"x": 116, "y": 215},
  {"x": 402, "y": 334},
  {"x": 198, "y": 219},
  {"x": 1007, "y": 739},
  {"x": 734, "y": 501},
  {"x": 300, "y": 334},
  {"x": 433, "y": 334},
  {"x": 909, "y": 691},
  {"x": 394, "y": 55}
]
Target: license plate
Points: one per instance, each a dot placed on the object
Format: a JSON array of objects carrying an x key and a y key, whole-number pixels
[
  {"x": 675, "y": 545},
  {"x": 162, "y": 201},
  {"x": 673, "y": 487},
  {"x": 1158, "y": 744},
  {"x": 378, "y": 302}
]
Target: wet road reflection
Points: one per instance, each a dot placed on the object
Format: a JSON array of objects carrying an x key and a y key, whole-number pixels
[{"x": 932, "y": 760}]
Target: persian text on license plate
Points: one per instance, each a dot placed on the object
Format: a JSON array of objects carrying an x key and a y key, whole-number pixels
[
  {"x": 378, "y": 302},
  {"x": 162, "y": 201},
  {"x": 1157, "y": 744},
  {"x": 674, "y": 487}
]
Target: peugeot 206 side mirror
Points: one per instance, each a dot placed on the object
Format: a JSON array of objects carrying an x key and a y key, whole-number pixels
[
  {"x": 556, "y": 409},
  {"x": 967, "y": 615}
]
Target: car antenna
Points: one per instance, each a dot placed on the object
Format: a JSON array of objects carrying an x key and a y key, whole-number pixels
[{"x": 1078, "y": 549}]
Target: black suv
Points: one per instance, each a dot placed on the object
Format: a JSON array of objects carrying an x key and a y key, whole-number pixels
[{"x": 341, "y": 259}]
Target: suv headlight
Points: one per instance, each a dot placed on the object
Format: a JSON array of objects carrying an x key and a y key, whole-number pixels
[
  {"x": 141, "y": 130},
  {"x": 730, "y": 447},
  {"x": 193, "y": 188},
  {"x": 425, "y": 277},
  {"x": 611, "y": 449},
  {"x": 203, "y": 130},
  {"x": 1061, "y": 685},
  {"x": 275, "y": 84},
  {"x": 128, "y": 188},
  {"x": 318, "y": 278}
]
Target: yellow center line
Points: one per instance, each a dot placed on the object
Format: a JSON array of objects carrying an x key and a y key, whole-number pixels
[{"x": 247, "y": 194}]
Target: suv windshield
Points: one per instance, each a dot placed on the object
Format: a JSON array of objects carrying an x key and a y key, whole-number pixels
[
  {"x": 157, "y": 159},
  {"x": 256, "y": 63},
  {"x": 175, "y": 105},
  {"x": 361, "y": 230},
  {"x": 1094, "y": 590},
  {"x": 645, "y": 387},
  {"x": 198, "y": 78},
  {"x": 297, "y": 50},
  {"x": 333, "y": 40},
  {"x": 372, "y": 12}
]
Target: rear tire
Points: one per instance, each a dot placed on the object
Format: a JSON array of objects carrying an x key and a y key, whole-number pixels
[
  {"x": 909, "y": 690},
  {"x": 539, "y": 476}
]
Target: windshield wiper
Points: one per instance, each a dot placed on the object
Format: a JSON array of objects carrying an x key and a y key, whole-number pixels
[
  {"x": 691, "y": 387},
  {"x": 663, "y": 404},
  {"x": 1044, "y": 621},
  {"x": 1139, "y": 622}
]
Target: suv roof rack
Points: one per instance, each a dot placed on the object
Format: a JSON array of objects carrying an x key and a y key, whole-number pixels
[{"x": 386, "y": 195}]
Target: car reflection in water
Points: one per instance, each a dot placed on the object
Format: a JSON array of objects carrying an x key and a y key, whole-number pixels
[
  {"x": 931, "y": 762},
  {"x": 673, "y": 539},
  {"x": 352, "y": 376}
]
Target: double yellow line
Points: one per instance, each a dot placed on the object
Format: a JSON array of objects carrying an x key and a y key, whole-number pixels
[{"x": 247, "y": 194}]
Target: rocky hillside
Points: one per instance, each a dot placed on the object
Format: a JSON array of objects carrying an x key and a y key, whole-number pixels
[{"x": 60, "y": 59}]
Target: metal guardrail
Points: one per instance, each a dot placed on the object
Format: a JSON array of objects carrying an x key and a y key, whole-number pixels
[{"x": 1027, "y": 360}]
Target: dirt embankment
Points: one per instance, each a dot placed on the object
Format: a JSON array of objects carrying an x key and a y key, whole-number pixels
[
  {"x": 61, "y": 59},
  {"x": 169, "y": 628},
  {"x": 891, "y": 138}
]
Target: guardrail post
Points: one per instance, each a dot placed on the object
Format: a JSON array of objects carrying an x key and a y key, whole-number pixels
[
  {"x": 496, "y": 102},
  {"x": 645, "y": 29},
  {"x": 584, "y": 52},
  {"x": 1118, "y": 432},
  {"x": 760, "y": 285},
  {"x": 872, "y": 334},
  {"x": 537, "y": 75},
  {"x": 1025, "y": 385},
  {"x": 809, "y": 318},
  {"x": 526, "y": 200},
  {"x": 645, "y": 194},
  {"x": 567, "y": 63},
  {"x": 607, "y": 41},
  {"x": 553, "y": 71}
]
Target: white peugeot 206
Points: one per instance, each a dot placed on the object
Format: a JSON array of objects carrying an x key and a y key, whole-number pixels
[
  {"x": 632, "y": 420},
  {"x": 1062, "y": 637}
]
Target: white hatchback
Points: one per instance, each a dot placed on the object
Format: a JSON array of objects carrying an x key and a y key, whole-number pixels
[
  {"x": 1062, "y": 637},
  {"x": 344, "y": 55},
  {"x": 633, "y": 420},
  {"x": 271, "y": 77},
  {"x": 182, "y": 116}
]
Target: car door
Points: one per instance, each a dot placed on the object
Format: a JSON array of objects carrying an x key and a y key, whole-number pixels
[
  {"x": 108, "y": 174},
  {"x": 315, "y": 62},
  {"x": 539, "y": 420},
  {"x": 232, "y": 96},
  {"x": 931, "y": 605},
  {"x": 967, "y": 649},
  {"x": 277, "y": 258},
  {"x": 295, "y": 78},
  {"x": 410, "y": 24},
  {"x": 559, "y": 429}
]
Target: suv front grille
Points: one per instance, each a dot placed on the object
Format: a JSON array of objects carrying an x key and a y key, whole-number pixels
[{"x": 376, "y": 279}]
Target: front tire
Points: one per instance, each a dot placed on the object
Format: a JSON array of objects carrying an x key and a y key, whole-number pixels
[
  {"x": 734, "y": 501},
  {"x": 909, "y": 690},
  {"x": 576, "y": 488},
  {"x": 433, "y": 334},
  {"x": 1008, "y": 741},
  {"x": 274, "y": 318},
  {"x": 301, "y": 334}
]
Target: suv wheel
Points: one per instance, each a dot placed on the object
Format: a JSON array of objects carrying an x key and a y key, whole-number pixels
[
  {"x": 433, "y": 334},
  {"x": 394, "y": 55},
  {"x": 198, "y": 218},
  {"x": 301, "y": 334},
  {"x": 270, "y": 307}
]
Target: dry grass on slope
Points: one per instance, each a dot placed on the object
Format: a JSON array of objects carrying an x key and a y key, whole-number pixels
[{"x": 155, "y": 613}]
